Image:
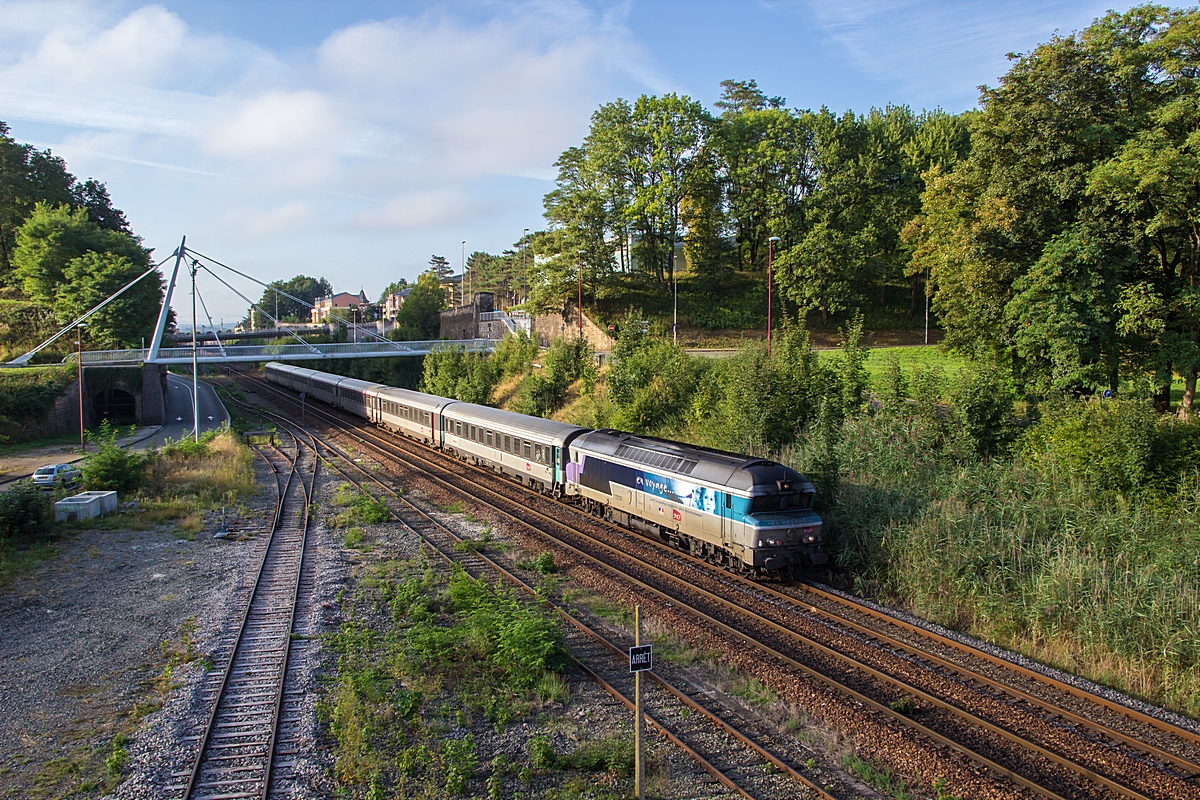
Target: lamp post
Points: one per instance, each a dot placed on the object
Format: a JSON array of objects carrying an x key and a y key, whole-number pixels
[
  {"x": 770, "y": 284},
  {"x": 79, "y": 365},
  {"x": 462, "y": 283},
  {"x": 579, "y": 300},
  {"x": 195, "y": 365},
  {"x": 525, "y": 266}
]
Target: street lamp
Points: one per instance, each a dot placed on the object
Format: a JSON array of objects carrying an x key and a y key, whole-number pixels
[
  {"x": 525, "y": 266},
  {"x": 770, "y": 284},
  {"x": 463, "y": 281},
  {"x": 79, "y": 365},
  {"x": 579, "y": 301}
]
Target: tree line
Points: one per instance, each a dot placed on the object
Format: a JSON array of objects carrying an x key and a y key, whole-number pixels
[{"x": 1055, "y": 228}]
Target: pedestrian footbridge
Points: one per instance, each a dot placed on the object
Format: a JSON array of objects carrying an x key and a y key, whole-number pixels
[{"x": 227, "y": 353}]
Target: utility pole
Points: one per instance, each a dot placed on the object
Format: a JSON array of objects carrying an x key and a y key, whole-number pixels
[
  {"x": 770, "y": 285},
  {"x": 195, "y": 370},
  {"x": 462, "y": 284},
  {"x": 525, "y": 266},
  {"x": 579, "y": 301},
  {"x": 927, "y": 305},
  {"x": 79, "y": 362}
]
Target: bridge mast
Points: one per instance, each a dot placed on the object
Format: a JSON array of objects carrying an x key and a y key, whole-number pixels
[{"x": 156, "y": 341}]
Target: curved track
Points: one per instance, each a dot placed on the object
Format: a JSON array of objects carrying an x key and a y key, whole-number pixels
[
  {"x": 238, "y": 743},
  {"x": 734, "y": 759},
  {"x": 1044, "y": 743}
]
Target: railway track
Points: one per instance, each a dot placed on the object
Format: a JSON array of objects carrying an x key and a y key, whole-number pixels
[
  {"x": 250, "y": 716},
  {"x": 737, "y": 762},
  {"x": 1055, "y": 746}
]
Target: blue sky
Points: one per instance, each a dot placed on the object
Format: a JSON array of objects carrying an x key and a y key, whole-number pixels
[{"x": 353, "y": 140}]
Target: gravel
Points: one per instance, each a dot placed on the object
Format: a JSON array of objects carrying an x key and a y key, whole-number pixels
[{"x": 81, "y": 637}]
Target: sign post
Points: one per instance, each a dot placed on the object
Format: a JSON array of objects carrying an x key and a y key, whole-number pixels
[{"x": 641, "y": 658}]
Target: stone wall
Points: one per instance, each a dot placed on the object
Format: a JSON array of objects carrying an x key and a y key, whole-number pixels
[
  {"x": 566, "y": 325},
  {"x": 62, "y": 419}
]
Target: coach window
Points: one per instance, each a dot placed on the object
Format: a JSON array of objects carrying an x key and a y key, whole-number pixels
[
  {"x": 507, "y": 444},
  {"x": 537, "y": 453},
  {"x": 528, "y": 451}
]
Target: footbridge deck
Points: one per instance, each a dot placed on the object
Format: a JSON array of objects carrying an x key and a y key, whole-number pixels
[{"x": 214, "y": 354}]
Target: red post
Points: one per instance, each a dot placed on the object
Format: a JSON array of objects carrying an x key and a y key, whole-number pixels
[
  {"x": 79, "y": 362},
  {"x": 770, "y": 284},
  {"x": 579, "y": 300}
]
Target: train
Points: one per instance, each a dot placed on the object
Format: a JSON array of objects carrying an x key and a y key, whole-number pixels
[{"x": 749, "y": 515}]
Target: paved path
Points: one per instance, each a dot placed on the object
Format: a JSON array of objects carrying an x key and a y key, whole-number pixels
[{"x": 179, "y": 411}]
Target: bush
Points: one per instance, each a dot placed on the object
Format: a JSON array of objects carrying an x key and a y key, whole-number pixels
[
  {"x": 515, "y": 354},
  {"x": 113, "y": 468},
  {"x": 1108, "y": 445},
  {"x": 541, "y": 753},
  {"x": 26, "y": 513}
]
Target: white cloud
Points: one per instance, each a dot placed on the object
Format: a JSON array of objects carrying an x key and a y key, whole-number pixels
[{"x": 397, "y": 128}]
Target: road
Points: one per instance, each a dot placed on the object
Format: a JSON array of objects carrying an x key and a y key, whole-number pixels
[{"x": 179, "y": 411}]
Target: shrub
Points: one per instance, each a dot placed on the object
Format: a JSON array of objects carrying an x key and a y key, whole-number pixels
[
  {"x": 26, "y": 513},
  {"x": 114, "y": 468},
  {"x": 515, "y": 354},
  {"x": 1108, "y": 445},
  {"x": 541, "y": 753}
]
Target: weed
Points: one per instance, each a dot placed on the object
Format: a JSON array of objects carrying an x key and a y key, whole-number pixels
[
  {"x": 878, "y": 778},
  {"x": 353, "y": 537},
  {"x": 541, "y": 753},
  {"x": 544, "y": 564},
  {"x": 754, "y": 690},
  {"x": 903, "y": 705}
]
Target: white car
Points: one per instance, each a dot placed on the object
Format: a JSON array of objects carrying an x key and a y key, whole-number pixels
[{"x": 54, "y": 475}]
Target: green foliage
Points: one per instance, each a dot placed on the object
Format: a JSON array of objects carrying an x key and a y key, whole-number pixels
[
  {"x": 65, "y": 260},
  {"x": 113, "y": 467},
  {"x": 514, "y": 354},
  {"x": 1117, "y": 445},
  {"x": 418, "y": 318},
  {"x": 28, "y": 393},
  {"x": 26, "y": 514},
  {"x": 600, "y": 755},
  {"x": 544, "y": 564},
  {"x": 983, "y": 404},
  {"x": 878, "y": 777},
  {"x": 459, "y": 375},
  {"x": 566, "y": 361},
  {"x": 275, "y": 301},
  {"x": 541, "y": 753}
]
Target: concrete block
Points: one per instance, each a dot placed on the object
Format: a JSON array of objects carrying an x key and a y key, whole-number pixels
[{"x": 85, "y": 505}]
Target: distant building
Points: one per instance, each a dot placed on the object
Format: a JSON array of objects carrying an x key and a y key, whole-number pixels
[
  {"x": 325, "y": 305},
  {"x": 392, "y": 303},
  {"x": 452, "y": 285}
]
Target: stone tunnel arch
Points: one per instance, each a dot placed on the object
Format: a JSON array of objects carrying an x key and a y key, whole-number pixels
[{"x": 115, "y": 405}]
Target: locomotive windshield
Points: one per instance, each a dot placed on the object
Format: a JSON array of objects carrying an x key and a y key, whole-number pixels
[{"x": 781, "y": 502}]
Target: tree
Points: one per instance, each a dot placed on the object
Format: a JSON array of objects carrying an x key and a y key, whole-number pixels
[
  {"x": 394, "y": 287},
  {"x": 66, "y": 261},
  {"x": 1034, "y": 235},
  {"x": 440, "y": 267},
  {"x": 29, "y": 176},
  {"x": 1155, "y": 179},
  {"x": 306, "y": 290},
  {"x": 418, "y": 318}
]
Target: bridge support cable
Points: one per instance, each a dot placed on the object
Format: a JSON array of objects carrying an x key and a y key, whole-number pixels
[
  {"x": 216, "y": 333},
  {"x": 280, "y": 292},
  {"x": 22, "y": 360},
  {"x": 255, "y": 307}
]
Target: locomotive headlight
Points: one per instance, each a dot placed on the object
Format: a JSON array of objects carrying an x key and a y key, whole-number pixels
[{"x": 809, "y": 539}]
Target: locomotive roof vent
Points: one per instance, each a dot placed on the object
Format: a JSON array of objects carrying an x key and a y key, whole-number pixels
[{"x": 654, "y": 459}]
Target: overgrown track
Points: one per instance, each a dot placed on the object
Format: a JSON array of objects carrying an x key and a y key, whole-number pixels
[
  {"x": 735, "y": 760},
  {"x": 248, "y": 717},
  {"x": 1032, "y": 740}
]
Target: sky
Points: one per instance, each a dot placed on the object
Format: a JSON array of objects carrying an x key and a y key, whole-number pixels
[{"x": 354, "y": 139}]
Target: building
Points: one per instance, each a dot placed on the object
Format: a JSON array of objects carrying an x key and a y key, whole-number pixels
[
  {"x": 324, "y": 305},
  {"x": 392, "y": 303}
]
